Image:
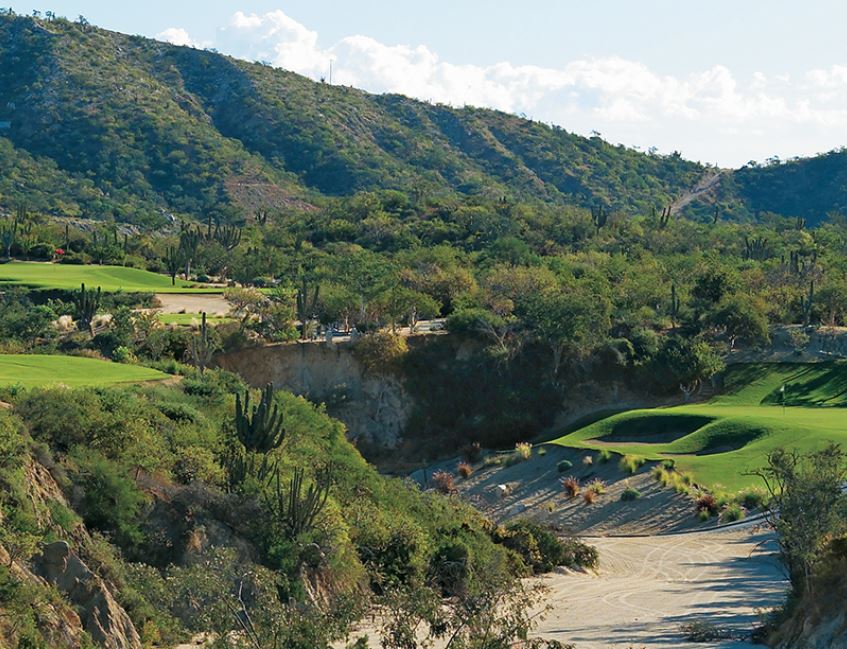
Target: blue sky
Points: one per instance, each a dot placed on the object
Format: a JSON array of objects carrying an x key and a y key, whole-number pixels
[{"x": 723, "y": 82}]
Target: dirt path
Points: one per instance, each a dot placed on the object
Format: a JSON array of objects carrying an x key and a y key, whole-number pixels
[
  {"x": 648, "y": 586},
  {"x": 708, "y": 183}
]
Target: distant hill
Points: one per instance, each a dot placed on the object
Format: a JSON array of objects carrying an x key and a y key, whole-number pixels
[{"x": 105, "y": 124}]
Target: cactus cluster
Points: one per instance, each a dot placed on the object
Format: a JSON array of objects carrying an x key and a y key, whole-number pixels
[
  {"x": 599, "y": 216},
  {"x": 307, "y": 303},
  {"x": 294, "y": 508},
  {"x": 86, "y": 304},
  {"x": 202, "y": 347},
  {"x": 756, "y": 248},
  {"x": 260, "y": 428}
]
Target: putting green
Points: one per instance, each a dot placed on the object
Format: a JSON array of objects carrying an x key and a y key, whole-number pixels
[
  {"x": 722, "y": 440},
  {"x": 38, "y": 370},
  {"x": 108, "y": 278}
]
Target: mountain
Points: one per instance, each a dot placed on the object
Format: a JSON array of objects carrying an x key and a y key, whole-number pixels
[{"x": 103, "y": 124}]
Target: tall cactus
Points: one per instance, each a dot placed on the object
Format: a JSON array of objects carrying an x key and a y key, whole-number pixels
[
  {"x": 808, "y": 303},
  {"x": 173, "y": 262},
  {"x": 86, "y": 305},
  {"x": 716, "y": 216},
  {"x": 294, "y": 509},
  {"x": 306, "y": 304},
  {"x": 189, "y": 244},
  {"x": 239, "y": 465},
  {"x": 202, "y": 347},
  {"x": 674, "y": 306},
  {"x": 8, "y": 236},
  {"x": 665, "y": 218},
  {"x": 229, "y": 236},
  {"x": 260, "y": 428},
  {"x": 599, "y": 216}
]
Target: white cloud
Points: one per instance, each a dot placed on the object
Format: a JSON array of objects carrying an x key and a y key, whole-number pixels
[
  {"x": 708, "y": 114},
  {"x": 175, "y": 36}
]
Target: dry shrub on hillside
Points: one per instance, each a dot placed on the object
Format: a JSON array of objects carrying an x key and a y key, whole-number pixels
[
  {"x": 570, "y": 486},
  {"x": 707, "y": 503},
  {"x": 444, "y": 482},
  {"x": 465, "y": 470},
  {"x": 471, "y": 452},
  {"x": 590, "y": 497}
]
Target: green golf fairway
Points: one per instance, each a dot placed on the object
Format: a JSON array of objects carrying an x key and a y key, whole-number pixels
[
  {"x": 108, "y": 278},
  {"x": 720, "y": 441},
  {"x": 187, "y": 319},
  {"x": 37, "y": 370}
]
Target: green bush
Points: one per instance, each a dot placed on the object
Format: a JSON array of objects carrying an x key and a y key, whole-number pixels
[
  {"x": 564, "y": 465},
  {"x": 732, "y": 512},
  {"x": 541, "y": 550},
  {"x": 110, "y": 502},
  {"x": 629, "y": 494},
  {"x": 123, "y": 354}
]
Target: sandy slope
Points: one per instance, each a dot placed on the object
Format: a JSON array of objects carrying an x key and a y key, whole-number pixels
[
  {"x": 187, "y": 303},
  {"x": 648, "y": 586}
]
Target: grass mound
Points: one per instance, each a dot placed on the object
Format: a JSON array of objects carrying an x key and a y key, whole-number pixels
[
  {"x": 37, "y": 370},
  {"x": 719, "y": 442}
]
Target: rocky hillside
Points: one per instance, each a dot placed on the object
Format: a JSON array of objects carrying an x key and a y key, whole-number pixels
[{"x": 104, "y": 124}]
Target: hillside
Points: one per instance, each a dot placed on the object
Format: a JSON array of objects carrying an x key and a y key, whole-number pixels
[{"x": 104, "y": 124}]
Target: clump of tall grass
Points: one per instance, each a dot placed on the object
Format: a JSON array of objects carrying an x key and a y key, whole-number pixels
[
  {"x": 589, "y": 497},
  {"x": 631, "y": 463},
  {"x": 597, "y": 486},
  {"x": 604, "y": 455},
  {"x": 524, "y": 450},
  {"x": 465, "y": 470},
  {"x": 570, "y": 485},
  {"x": 630, "y": 494},
  {"x": 732, "y": 512}
]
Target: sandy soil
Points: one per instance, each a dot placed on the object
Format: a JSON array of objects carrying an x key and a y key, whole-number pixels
[
  {"x": 192, "y": 303},
  {"x": 533, "y": 490},
  {"x": 647, "y": 587}
]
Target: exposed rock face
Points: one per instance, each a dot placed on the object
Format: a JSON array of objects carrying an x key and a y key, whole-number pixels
[
  {"x": 375, "y": 408},
  {"x": 102, "y": 617}
]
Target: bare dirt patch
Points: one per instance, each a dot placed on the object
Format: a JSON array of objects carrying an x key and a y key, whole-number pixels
[{"x": 185, "y": 303}]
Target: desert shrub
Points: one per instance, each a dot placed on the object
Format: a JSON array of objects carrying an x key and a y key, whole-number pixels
[
  {"x": 578, "y": 554},
  {"x": 604, "y": 455},
  {"x": 707, "y": 503},
  {"x": 380, "y": 351},
  {"x": 393, "y": 557},
  {"x": 471, "y": 452},
  {"x": 465, "y": 470},
  {"x": 751, "y": 498},
  {"x": 629, "y": 494},
  {"x": 668, "y": 465},
  {"x": 587, "y": 461},
  {"x": 597, "y": 486},
  {"x": 542, "y": 452},
  {"x": 524, "y": 450},
  {"x": 564, "y": 465},
  {"x": 570, "y": 485},
  {"x": 630, "y": 463},
  {"x": 111, "y": 502},
  {"x": 541, "y": 550},
  {"x": 589, "y": 497},
  {"x": 197, "y": 463},
  {"x": 123, "y": 354},
  {"x": 732, "y": 512},
  {"x": 704, "y": 515},
  {"x": 444, "y": 482},
  {"x": 450, "y": 568}
]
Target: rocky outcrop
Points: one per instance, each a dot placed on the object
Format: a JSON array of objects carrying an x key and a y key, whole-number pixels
[
  {"x": 374, "y": 407},
  {"x": 101, "y": 616}
]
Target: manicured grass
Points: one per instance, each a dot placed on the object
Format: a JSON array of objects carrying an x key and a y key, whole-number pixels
[
  {"x": 108, "y": 278},
  {"x": 720, "y": 441},
  {"x": 187, "y": 319},
  {"x": 37, "y": 370}
]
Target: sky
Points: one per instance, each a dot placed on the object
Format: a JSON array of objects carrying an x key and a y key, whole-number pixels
[{"x": 723, "y": 82}]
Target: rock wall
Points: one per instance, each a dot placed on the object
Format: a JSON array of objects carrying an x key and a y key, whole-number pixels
[{"x": 375, "y": 408}]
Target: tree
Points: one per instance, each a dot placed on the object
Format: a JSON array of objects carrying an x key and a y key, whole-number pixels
[
  {"x": 245, "y": 304},
  {"x": 570, "y": 319},
  {"x": 741, "y": 318},
  {"x": 686, "y": 363},
  {"x": 806, "y": 507}
]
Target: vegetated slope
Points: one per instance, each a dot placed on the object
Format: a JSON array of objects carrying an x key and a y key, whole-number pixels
[
  {"x": 108, "y": 278},
  {"x": 731, "y": 435},
  {"x": 37, "y": 370},
  {"x": 128, "y": 126}
]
